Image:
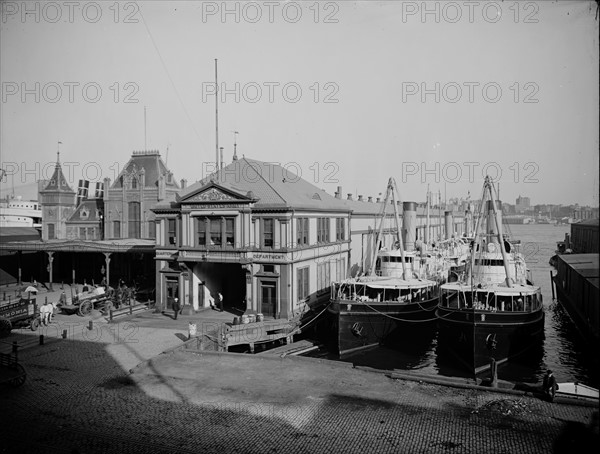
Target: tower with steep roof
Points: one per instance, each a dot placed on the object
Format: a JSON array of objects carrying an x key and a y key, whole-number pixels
[{"x": 58, "y": 202}]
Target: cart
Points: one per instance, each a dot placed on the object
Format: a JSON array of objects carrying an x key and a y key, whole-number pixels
[
  {"x": 11, "y": 371},
  {"x": 85, "y": 302},
  {"x": 18, "y": 314}
]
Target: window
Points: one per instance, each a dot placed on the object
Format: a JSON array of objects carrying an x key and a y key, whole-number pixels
[
  {"x": 302, "y": 283},
  {"x": 302, "y": 231},
  {"x": 82, "y": 233},
  {"x": 267, "y": 232},
  {"x": 216, "y": 236},
  {"x": 201, "y": 231},
  {"x": 51, "y": 233},
  {"x": 152, "y": 229},
  {"x": 323, "y": 280},
  {"x": 340, "y": 229},
  {"x": 215, "y": 231},
  {"x": 133, "y": 183},
  {"x": 117, "y": 229},
  {"x": 322, "y": 230},
  {"x": 229, "y": 231},
  {"x": 171, "y": 232},
  {"x": 134, "y": 220},
  {"x": 91, "y": 233}
]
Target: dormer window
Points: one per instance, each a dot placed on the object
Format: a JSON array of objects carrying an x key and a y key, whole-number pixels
[{"x": 84, "y": 213}]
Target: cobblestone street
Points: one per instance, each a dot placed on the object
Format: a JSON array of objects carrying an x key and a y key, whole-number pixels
[{"x": 80, "y": 397}]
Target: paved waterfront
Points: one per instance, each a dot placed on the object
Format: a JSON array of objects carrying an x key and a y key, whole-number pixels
[{"x": 80, "y": 397}]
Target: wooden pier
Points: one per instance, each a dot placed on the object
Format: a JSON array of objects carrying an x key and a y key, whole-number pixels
[
  {"x": 256, "y": 333},
  {"x": 297, "y": 348}
]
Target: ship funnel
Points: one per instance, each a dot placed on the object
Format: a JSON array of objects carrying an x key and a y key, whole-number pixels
[
  {"x": 449, "y": 224},
  {"x": 409, "y": 225}
]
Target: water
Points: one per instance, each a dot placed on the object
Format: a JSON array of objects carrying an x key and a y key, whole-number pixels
[{"x": 563, "y": 350}]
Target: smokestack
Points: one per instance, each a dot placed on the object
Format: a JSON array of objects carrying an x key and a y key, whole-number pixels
[
  {"x": 360, "y": 198},
  {"x": 409, "y": 225},
  {"x": 338, "y": 194},
  {"x": 378, "y": 199},
  {"x": 183, "y": 183},
  {"x": 221, "y": 158},
  {"x": 449, "y": 224},
  {"x": 370, "y": 199},
  {"x": 349, "y": 196}
]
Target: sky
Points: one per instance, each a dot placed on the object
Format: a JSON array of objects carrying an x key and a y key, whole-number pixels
[{"x": 436, "y": 94}]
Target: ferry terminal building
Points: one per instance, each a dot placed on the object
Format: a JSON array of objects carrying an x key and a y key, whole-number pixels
[{"x": 266, "y": 240}]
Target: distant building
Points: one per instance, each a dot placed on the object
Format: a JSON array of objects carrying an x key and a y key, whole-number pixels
[
  {"x": 143, "y": 182},
  {"x": 57, "y": 200},
  {"x": 522, "y": 205}
]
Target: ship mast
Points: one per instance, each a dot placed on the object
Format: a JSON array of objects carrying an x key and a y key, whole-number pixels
[{"x": 390, "y": 192}]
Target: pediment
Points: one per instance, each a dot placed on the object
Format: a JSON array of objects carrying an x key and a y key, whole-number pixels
[{"x": 215, "y": 194}]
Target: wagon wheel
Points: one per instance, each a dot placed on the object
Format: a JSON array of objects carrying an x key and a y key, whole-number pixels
[
  {"x": 85, "y": 308},
  {"x": 35, "y": 323},
  {"x": 5, "y": 327},
  {"x": 18, "y": 381}
]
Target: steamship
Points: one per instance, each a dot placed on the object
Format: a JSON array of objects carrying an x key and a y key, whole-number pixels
[
  {"x": 399, "y": 290},
  {"x": 493, "y": 312}
]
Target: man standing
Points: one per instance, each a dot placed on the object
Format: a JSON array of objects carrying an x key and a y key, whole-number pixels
[
  {"x": 549, "y": 385},
  {"x": 176, "y": 308},
  {"x": 220, "y": 297}
]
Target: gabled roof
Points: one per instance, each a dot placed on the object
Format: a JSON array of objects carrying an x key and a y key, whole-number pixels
[
  {"x": 58, "y": 182},
  {"x": 213, "y": 192},
  {"x": 153, "y": 167},
  {"x": 271, "y": 185},
  {"x": 88, "y": 211}
]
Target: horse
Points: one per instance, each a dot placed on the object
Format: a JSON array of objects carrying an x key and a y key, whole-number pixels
[{"x": 47, "y": 312}]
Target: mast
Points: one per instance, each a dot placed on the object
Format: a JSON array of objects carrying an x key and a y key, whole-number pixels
[
  {"x": 216, "y": 119},
  {"x": 394, "y": 190},
  {"x": 500, "y": 235},
  {"x": 380, "y": 232},
  {"x": 427, "y": 221}
]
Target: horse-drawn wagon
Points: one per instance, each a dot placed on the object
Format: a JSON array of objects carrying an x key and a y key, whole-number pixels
[
  {"x": 83, "y": 303},
  {"x": 18, "y": 314}
]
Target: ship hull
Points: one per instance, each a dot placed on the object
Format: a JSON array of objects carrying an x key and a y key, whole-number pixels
[
  {"x": 358, "y": 325},
  {"x": 472, "y": 338}
]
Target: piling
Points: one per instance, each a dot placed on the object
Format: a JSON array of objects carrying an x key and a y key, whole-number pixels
[
  {"x": 91, "y": 325},
  {"x": 41, "y": 339},
  {"x": 552, "y": 285}
]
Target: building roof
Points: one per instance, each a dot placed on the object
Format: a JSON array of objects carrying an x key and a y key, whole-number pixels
[
  {"x": 586, "y": 265},
  {"x": 8, "y": 234},
  {"x": 58, "y": 182},
  {"x": 272, "y": 186},
  {"x": 153, "y": 167},
  {"x": 590, "y": 222},
  {"x": 89, "y": 210}
]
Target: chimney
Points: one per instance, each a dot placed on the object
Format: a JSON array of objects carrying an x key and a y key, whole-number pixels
[
  {"x": 360, "y": 198},
  {"x": 349, "y": 196},
  {"x": 183, "y": 183},
  {"x": 378, "y": 199},
  {"x": 338, "y": 194},
  {"x": 221, "y": 158}
]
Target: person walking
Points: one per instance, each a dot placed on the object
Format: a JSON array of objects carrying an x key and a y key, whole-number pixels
[
  {"x": 176, "y": 308},
  {"x": 549, "y": 385}
]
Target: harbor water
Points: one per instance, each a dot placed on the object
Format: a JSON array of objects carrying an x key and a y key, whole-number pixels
[{"x": 563, "y": 349}]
